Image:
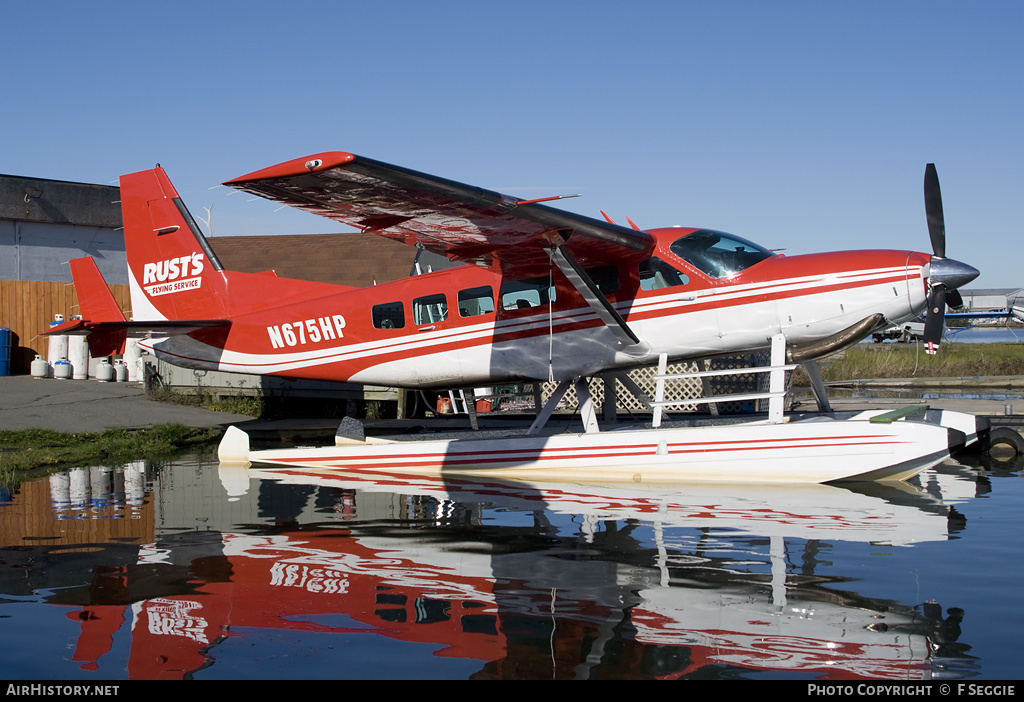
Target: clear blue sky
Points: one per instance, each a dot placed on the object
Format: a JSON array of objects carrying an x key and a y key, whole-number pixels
[{"x": 800, "y": 125}]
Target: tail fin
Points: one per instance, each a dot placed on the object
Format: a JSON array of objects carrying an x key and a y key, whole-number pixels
[
  {"x": 102, "y": 320},
  {"x": 172, "y": 270},
  {"x": 94, "y": 299},
  {"x": 97, "y": 305}
]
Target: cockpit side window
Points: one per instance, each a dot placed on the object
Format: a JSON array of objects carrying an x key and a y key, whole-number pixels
[
  {"x": 718, "y": 254},
  {"x": 476, "y": 301},
  {"x": 656, "y": 274}
]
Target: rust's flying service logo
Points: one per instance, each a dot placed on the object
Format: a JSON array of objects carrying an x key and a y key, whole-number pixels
[{"x": 173, "y": 275}]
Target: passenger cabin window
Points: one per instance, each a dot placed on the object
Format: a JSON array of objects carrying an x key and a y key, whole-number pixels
[
  {"x": 430, "y": 309},
  {"x": 390, "y": 315},
  {"x": 655, "y": 274},
  {"x": 524, "y": 294},
  {"x": 476, "y": 301},
  {"x": 717, "y": 254}
]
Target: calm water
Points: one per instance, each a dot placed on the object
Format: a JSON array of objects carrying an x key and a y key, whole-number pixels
[
  {"x": 986, "y": 334},
  {"x": 185, "y": 570}
]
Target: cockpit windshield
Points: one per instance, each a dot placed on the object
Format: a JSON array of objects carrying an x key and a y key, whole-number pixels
[{"x": 718, "y": 254}]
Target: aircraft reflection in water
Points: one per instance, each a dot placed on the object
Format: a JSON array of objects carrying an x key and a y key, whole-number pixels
[{"x": 533, "y": 581}]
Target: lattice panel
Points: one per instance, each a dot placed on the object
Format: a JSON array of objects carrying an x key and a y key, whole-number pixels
[
  {"x": 736, "y": 384},
  {"x": 681, "y": 389}
]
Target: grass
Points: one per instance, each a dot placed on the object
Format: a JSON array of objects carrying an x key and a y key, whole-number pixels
[
  {"x": 251, "y": 406},
  {"x": 954, "y": 360},
  {"x": 40, "y": 450}
]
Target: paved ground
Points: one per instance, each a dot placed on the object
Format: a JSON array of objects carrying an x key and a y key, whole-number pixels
[
  {"x": 90, "y": 406},
  {"x": 985, "y": 408},
  {"x": 958, "y": 395}
]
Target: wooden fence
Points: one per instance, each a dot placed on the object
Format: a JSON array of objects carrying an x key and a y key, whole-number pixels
[{"x": 27, "y": 307}]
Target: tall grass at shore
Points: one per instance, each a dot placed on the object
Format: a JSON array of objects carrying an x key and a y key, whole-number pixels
[{"x": 953, "y": 360}]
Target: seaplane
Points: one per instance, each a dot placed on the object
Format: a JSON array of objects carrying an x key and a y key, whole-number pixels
[{"x": 542, "y": 295}]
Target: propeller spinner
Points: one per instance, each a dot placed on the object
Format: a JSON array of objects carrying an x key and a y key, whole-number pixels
[{"x": 945, "y": 275}]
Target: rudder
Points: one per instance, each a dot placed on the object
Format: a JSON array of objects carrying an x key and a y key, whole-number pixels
[{"x": 95, "y": 301}]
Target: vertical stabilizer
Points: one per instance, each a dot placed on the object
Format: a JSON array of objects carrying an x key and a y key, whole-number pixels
[
  {"x": 95, "y": 301},
  {"x": 97, "y": 305},
  {"x": 172, "y": 270}
]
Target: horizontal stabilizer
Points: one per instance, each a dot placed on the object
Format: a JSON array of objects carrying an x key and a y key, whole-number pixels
[
  {"x": 108, "y": 338},
  {"x": 138, "y": 330}
]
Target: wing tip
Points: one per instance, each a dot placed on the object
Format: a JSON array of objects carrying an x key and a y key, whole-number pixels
[{"x": 297, "y": 166}]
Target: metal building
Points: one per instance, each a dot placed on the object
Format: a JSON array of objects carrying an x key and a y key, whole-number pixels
[{"x": 43, "y": 224}]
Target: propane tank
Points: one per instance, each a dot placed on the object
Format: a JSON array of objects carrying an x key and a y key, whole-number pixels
[
  {"x": 104, "y": 371},
  {"x": 62, "y": 369},
  {"x": 40, "y": 368}
]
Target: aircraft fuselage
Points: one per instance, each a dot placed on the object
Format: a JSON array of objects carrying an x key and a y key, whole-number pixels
[{"x": 472, "y": 326}]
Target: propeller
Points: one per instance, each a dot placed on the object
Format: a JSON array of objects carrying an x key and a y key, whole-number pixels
[
  {"x": 933, "y": 210},
  {"x": 945, "y": 275}
]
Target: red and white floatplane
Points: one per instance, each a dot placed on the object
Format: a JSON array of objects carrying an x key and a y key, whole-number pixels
[{"x": 544, "y": 294}]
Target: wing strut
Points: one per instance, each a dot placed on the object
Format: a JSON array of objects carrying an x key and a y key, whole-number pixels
[{"x": 572, "y": 270}]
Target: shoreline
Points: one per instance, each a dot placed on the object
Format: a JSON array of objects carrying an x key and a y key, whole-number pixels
[{"x": 1010, "y": 382}]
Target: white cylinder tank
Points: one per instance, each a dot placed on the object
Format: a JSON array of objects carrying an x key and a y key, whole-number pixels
[
  {"x": 133, "y": 359},
  {"x": 78, "y": 356},
  {"x": 120, "y": 371}
]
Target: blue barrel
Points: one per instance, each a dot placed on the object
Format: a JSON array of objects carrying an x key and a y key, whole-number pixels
[{"x": 5, "y": 351}]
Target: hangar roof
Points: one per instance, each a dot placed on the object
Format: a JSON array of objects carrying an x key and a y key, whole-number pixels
[
  {"x": 59, "y": 201},
  {"x": 354, "y": 258}
]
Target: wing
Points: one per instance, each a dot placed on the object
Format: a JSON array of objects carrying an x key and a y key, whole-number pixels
[{"x": 462, "y": 222}]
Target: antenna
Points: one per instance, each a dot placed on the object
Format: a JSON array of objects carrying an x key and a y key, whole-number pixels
[
  {"x": 208, "y": 220},
  {"x": 546, "y": 199},
  {"x": 610, "y": 221}
]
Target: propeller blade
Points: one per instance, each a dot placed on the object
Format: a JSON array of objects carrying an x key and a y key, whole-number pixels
[
  {"x": 935, "y": 320},
  {"x": 933, "y": 209},
  {"x": 954, "y": 300}
]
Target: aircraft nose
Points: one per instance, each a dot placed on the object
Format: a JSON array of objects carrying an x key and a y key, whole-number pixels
[{"x": 952, "y": 274}]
